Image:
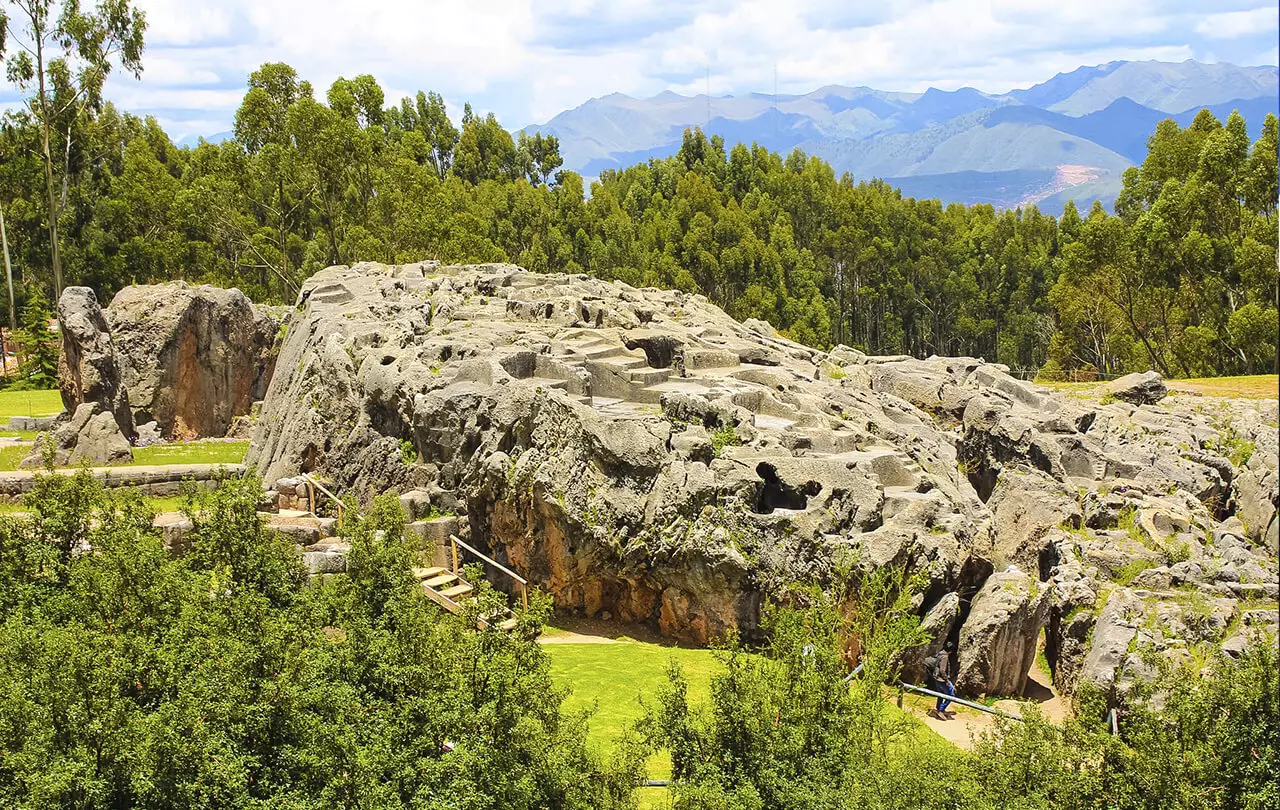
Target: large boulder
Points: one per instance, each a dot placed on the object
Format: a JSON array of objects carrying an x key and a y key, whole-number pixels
[
  {"x": 640, "y": 454},
  {"x": 1113, "y": 632},
  {"x": 1026, "y": 506},
  {"x": 1257, "y": 491},
  {"x": 193, "y": 357},
  {"x": 1145, "y": 388},
  {"x": 636, "y": 453},
  {"x": 998, "y": 639},
  {"x": 91, "y": 436},
  {"x": 89, "y": 366}
]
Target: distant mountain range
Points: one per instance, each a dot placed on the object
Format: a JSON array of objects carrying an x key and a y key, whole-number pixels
[
  {"x": 193, "y": 141},
  {"x": 1068, "y": 138}
]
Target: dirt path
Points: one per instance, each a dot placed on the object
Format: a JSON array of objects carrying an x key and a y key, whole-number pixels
[
  {"x": 570, "y": 637},
  {"x": 967, "y": 724}
]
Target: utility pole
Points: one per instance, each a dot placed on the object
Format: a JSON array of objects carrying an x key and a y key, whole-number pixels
[{"x": 708, "y": 98}]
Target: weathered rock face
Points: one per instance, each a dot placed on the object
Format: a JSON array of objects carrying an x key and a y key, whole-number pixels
[
  {"x": 998, "y": 639},
  {"x": 89, "y": 367},
  {"x": 1256, "y": 490},
  {"x": 91, "y": 436},
  {"x": 193, "y": 357},
  {"x": 634, "y": 452},
  {"x": 641, "y": 454}
]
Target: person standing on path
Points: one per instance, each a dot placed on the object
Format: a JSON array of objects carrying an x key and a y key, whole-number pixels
[{"x": 939, "y": 670}]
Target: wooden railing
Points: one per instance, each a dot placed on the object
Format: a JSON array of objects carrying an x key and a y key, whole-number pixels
[
  {"x": 454, "y": 542},
  {"x": 312, "y": 486}
]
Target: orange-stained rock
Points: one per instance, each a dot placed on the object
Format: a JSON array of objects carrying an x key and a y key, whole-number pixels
[{"x": 193, "y": 357}]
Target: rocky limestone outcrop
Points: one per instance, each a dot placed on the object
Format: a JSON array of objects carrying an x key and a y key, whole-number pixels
[
  {"x": 1145, "y": 388},
  {"x": 96, "y": 426},
  {"x": 641, "y": 454},
  {"x": 635, "y": 452},
  {"x": 193, "y": 358},
  {"x": 1000, "y": 634},
  {"x": 89, "y": 365},
  {"x": 91, "y": 436}
]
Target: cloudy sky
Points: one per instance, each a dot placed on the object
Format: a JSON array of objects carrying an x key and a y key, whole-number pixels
[{"x": 528, "y": 59}]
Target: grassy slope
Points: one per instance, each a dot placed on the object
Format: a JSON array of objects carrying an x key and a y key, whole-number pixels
[
  {"x": 1257, "y": 386},
  {"x": 29, "y": 403},
  {"x": 218, "y": 452},
  {"x": 614, "y": 677},
  {"x": 169, "y": 504}
]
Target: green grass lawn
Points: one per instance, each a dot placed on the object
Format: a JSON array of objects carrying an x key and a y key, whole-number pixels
[
  {"x": 1256, "y": 386},
  {"x": 216, "y": 452},
  {"x": 29, "y": 403},
  {"x": 167, "y": 504},
  {"x": 12, "y": 455},
  {"x": 618, "y": 675},
  {"x": 20, "y": 435},
  {"x": 613, "y": 678}
]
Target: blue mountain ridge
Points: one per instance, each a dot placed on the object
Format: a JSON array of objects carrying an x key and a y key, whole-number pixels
[{"x": 1070, "y": 137}]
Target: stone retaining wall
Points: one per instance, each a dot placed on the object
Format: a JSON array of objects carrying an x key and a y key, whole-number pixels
[{"x": 157, "y": 481}]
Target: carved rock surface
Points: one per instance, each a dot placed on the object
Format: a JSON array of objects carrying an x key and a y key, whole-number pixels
[
  {"x": 637, "y": 452},
  {"x": 998, "y": 639},
  {"x": 193, "y": 357}
]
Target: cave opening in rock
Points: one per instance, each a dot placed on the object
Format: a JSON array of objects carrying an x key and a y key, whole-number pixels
[
  {"x": 1050, "y": 635},
  {"x": 776, "y": 494},
  {"x": 983, "y": 479}
]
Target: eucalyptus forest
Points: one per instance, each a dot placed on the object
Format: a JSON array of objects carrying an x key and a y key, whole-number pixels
[{"x": 1181, "y": 277}]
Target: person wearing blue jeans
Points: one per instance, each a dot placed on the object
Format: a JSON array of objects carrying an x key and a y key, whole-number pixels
[{"x": 939, "y": 669}]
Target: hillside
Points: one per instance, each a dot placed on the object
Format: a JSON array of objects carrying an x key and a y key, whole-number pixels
[{"x": 1070, "y": 137}]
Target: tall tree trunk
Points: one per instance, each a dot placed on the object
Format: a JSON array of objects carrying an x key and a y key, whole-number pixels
[
  {"x": 55, "y": 259},
  {"x": 284, "y": 239},
  {"x": 13, "y": 309}
]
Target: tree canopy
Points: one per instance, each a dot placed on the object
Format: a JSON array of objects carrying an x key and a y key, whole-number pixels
[
  {"x": 131, "y": 677},
  {"x": 1181, "y": 277}
]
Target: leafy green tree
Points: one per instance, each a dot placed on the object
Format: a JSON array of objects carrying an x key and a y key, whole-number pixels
[
  {"x": 541, "y": 155},
  {"x": 262, "y": 127},
  {"x": 1181, "y": 278},
  {"x": 39, "y": 346},
  {"x": 485, "y": 151},
  {"x": 134, "y": 677},
  {"x": 65, "y": 54},
  {"x": 784, "y": 729}
]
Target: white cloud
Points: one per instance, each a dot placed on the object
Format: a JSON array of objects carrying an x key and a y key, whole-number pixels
[
  {"x": 528, "y": 59},
  {"x": 1232, "y": 24}
]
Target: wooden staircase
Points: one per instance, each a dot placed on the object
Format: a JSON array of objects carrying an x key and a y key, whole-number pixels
[{"x": 447, "y": 588}]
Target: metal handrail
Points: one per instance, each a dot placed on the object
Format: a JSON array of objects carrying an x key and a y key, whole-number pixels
[
  {"x": 961, "y": 701},
  {"x": 524, "y": 583}
]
